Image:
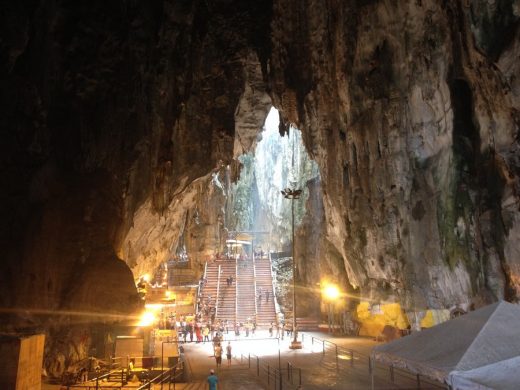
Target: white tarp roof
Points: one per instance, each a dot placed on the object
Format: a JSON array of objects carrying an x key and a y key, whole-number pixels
[
  {"x": 504, "y": 375},
  {"x": 481, "y": 337}
]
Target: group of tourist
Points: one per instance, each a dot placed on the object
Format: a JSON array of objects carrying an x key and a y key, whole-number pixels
[
  {"x": 280, "y": 328},
  {"x": 198, "y": 331}
]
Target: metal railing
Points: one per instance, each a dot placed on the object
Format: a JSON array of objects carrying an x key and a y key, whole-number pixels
[
  {"x": 218, "y": 291},
  {"x": 164, "y": 377},
  {"x": 274, "y": 375},
  {"x": 356, "y": 358},
  {"x": 236, "y": 293},
  {"x": 199, "y": 289},
  {"x": 99, "y": 379},
  {"x": 254, "y": 285},
  {"x": 273, "y": 282}
]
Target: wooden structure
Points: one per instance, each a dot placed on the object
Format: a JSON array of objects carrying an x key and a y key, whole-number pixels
[{"x": 22, "y": 357}]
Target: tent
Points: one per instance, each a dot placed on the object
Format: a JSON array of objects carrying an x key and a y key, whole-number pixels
[
  {"x": 480, "y": 338},
  {"x": 504, "y": 375}
]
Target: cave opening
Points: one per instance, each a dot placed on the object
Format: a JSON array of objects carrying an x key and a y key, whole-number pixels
[
  {"x": 240, "y": 213},
  {"x": 278, "y": 162}
]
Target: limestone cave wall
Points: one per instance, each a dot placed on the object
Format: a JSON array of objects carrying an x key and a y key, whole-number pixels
[
  {"x": 411, "y": 111},
  {"x": 114, "y": 116},
  {"x": 117, "y": 116}
]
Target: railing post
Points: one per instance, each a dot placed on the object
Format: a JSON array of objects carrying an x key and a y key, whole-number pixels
[
  {"x": 300, "y": 375},
  {"x": 323, "y": 345},
  {"x": 392, "y": 374},
  {"x": 122, "y": 377},
  {"x": 268, "y": 374},
  {"x": 351, "y": 358},
  {"x": 257, "y": 366},
  {"x": 337, "y": 361},
  {"x": 249, "y": 361},
  {"x": 280, "y": 379},
  {"x": 369, "y": 365},
  {"x": 218, "y": 292},
  {"x": 418, "y": 381},
  {"x": 312, "y": 340}
]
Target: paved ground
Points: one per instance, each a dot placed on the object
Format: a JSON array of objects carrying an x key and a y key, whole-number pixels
[
  {"x": 318, "y": 366},
  {"x": 320, "y": 369}
]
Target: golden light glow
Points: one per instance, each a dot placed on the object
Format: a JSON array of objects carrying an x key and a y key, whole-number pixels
[
  {"x": 146, "y": 277},
  {"x": 147, "y": 319},
  {"x": 331, "y": 292},
  {"x": 154, "y": 307}
]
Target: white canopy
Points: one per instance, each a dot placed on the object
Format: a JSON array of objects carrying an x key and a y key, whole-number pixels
[
  {"x": 479, "y": 338},
  {"x": 504, "y": 375}
]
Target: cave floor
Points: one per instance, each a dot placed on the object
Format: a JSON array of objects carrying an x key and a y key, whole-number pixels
[{"x": 320, "y": 369}]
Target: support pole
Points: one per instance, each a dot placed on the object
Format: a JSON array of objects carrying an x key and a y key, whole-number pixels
[
  {"x": 162, "y": 361},
  {"x": 371, "y": 367}
]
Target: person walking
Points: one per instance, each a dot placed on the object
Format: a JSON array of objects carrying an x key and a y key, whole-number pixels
[
  {"x": 190, "y": 330},
  {"x": 267, "y": 295},
  {"x": 218, "y": 355},
  {"x": 205, "y": 333},
  {"x": 212, "y": 380},
  {"x": 228, "y": 353},
  {"x": 198, "y": 332}
]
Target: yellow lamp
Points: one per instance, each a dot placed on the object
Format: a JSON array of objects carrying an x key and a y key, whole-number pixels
[
  {"x": 331, "y": 292},
  {"x": 147, "y": 319}
]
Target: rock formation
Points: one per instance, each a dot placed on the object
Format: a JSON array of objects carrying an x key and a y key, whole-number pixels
[
  {"x": 119, "y": 116},
  {"x": 412, "y": 115}
]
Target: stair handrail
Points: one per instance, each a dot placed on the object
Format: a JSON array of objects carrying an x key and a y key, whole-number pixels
[
  {"x": 275, "y": 298},
  {"x": 218, "y": 290},
  {"x": 199, "y": 289},
  {"x": 254, "y": 284},
  {"x": 236, "y": 292}
]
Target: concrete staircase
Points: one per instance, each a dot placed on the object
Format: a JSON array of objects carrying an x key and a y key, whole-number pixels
[
  {"x": 226, "y": 308},
  {"x": 210, "y": 288},
  {"x": 238, "y": 302},
  {"x": 245, "y": 291},
  {"x": 266, "y": 312}
]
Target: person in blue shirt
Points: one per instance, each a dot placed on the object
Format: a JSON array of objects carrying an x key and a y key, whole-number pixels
[{"x": 212, "y": 380}]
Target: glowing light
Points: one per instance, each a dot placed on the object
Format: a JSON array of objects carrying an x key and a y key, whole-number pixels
[
  {"x": 331, "y": 292},
  {"x": 146, "y": 277},
  {"x": 147, "y": 319},
  {"x": 154, "y": 307}
]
